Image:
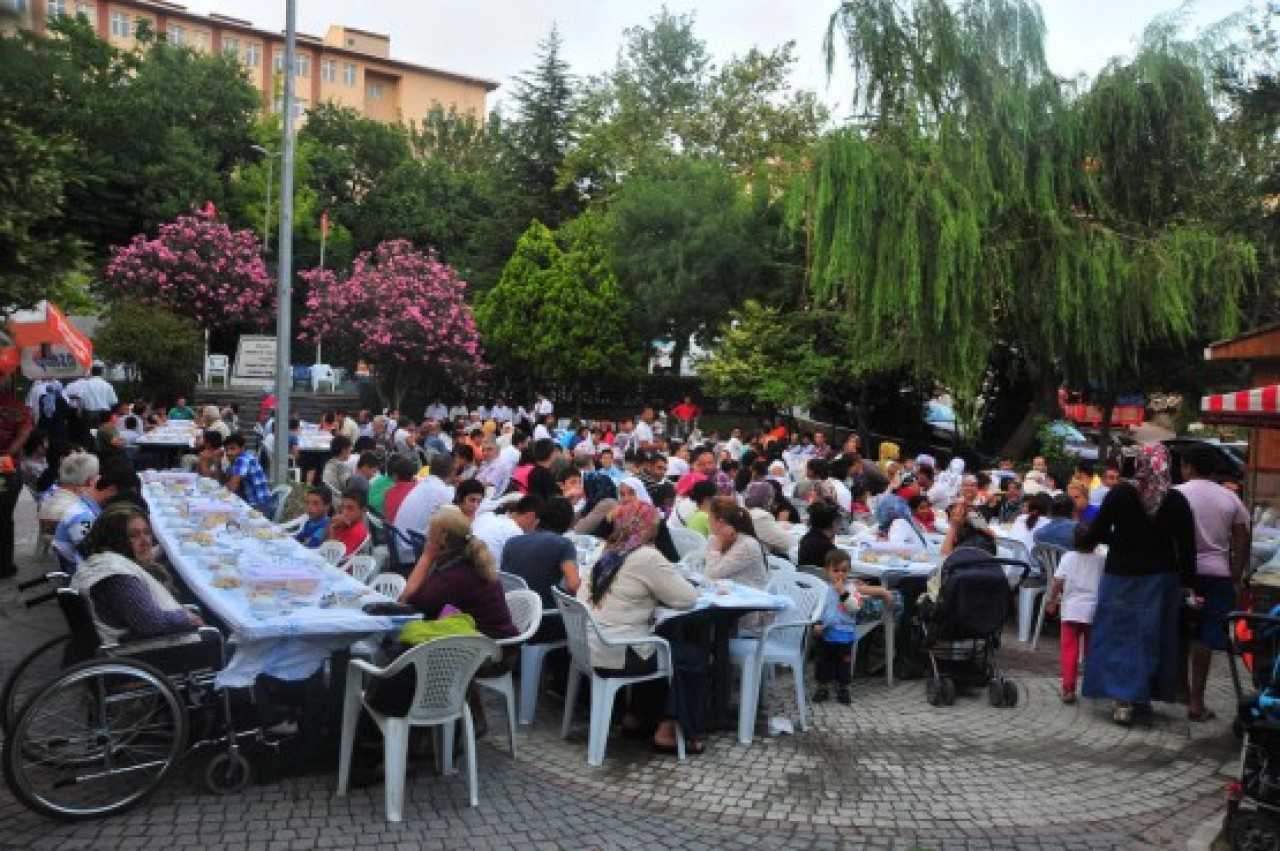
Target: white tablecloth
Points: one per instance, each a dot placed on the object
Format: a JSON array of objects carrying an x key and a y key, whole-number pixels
[
  {"x": 170, "y": 436},
  {"x": 285, "y": 635},
  {"x": 728, "y": 595}
]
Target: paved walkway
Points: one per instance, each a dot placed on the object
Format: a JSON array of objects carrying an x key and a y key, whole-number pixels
[{"x": 888, "y": 772}]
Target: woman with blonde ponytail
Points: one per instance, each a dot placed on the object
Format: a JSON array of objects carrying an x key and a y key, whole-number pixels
[{"x": 456, "y": 569}]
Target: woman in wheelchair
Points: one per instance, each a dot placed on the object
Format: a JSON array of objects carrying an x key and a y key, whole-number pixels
[{"x": 127, "y": 601}]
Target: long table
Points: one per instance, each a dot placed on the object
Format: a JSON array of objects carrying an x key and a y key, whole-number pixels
[{"x": 231, "y": 558}]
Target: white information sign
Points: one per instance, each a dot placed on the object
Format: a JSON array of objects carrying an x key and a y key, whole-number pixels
[{"x": 255, "y": 357}]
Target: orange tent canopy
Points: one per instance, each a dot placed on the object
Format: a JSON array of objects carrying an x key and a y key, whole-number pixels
[{"x": 45, "y": 344}]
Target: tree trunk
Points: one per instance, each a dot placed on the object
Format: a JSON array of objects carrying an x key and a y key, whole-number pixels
[
  {"x": 1104, "y": 428},
  {"x": 864, "y": 429},
  {"x": 1045, "y": 403}
]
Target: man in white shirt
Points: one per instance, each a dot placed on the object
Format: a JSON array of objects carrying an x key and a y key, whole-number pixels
[
  {"x": 98, "y": 396},
  {"x": 543, "y": 407},
  {"x": 642, "y": 437},
  {"x": 1223, "y": 545},
  {"x": 33, "y": 397},
  {"x": 496, "y": 529},
  {"x": 500, "y": 413},
  {"x": 542, "y": 431},
  {"x": 436, "y": 411},
  {"x": 458, "y": 412},
  {"x": 424, "y": 501},
  {"x": 734, "y": 444}
]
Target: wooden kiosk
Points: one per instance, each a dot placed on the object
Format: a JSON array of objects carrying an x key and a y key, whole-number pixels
[{"x": 1257, "y": 409}]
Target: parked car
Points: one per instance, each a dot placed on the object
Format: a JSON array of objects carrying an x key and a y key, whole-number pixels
[
  {"x": 1231, "y": 459},
  {"x": 1074, "y": 441}
]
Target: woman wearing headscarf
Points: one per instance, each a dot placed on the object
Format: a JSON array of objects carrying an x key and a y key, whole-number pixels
[
  {"x": 898, "y": 522},
  {"x": 626, "y": 584},
  {"x": 759, "y": 499},
  {"x": 601, "y": 497},
  {"x": 1150, "y": 533}
]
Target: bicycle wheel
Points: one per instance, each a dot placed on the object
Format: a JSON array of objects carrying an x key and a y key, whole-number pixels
[
  {"x": 96, "y": 741},
  {"x": 33, "y": 673}
]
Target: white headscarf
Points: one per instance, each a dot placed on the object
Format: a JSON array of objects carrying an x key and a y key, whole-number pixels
[{"x": 642, "y": 493}]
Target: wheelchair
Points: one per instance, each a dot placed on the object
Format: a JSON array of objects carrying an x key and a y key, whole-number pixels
[{"x": 92, "y": 729}]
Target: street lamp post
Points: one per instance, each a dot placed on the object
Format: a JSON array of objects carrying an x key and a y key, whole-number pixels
[
  {"x": 284, "y": 319},
  {"x": 266, "y": 217}
]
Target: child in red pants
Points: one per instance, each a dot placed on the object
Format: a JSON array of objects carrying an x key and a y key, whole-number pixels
[{"x": 1075, "y": 589}]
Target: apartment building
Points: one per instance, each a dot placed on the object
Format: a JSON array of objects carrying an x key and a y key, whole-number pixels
[{"x": 348, "y": 66}]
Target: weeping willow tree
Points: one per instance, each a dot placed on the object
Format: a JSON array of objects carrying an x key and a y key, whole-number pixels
[{"x": 979, "y": 201}]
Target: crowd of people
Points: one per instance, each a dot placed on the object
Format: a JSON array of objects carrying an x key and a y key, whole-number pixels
[{"x": 468, "y": 492}]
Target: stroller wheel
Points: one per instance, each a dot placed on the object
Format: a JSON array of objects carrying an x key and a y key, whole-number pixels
[
  {"x": 995, "y": 692},
  {"x": 948, "y": 691},
  {"x": 933, "y": 691},
  {"x": 227, "y": 774},
  {"x": 1254, "y": 831}
]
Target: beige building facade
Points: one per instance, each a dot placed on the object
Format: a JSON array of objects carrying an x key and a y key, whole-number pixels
[{"x": 348, "y": 66}]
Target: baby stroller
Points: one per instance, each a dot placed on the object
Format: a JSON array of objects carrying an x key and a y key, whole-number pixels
[
  {"x": 1253, "y": 806},
  {"x": 962, "y": 627}
]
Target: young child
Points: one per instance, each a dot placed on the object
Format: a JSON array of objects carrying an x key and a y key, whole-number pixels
[
  {"x": 316, "y": 528},
  {"x": 847, "y": 604},
  {"x": 1075, "y": 587},
  {"x": 348, "y": 527}
]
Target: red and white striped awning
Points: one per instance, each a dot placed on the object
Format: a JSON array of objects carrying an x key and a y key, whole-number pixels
[{"x": 1260, "y": 403}]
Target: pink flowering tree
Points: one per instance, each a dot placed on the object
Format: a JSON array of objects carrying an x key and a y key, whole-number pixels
[
  {"x": 401, "y": 311},
  {"x": 196, "y": 267}
]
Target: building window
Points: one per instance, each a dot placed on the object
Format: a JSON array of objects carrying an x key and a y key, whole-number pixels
[
  {"x": 85, "y": 10},
  {"x": 299, "y": 106},
  {"x": 349, "y": 73},
  {"x": 120, "y": 25},
  {"x": 177, "y": 36},
  {"x": 277, "y": 62},
  {"x": 301, "y": 65},
  {"x": 328, "y": 70},
  {"x": 200, "y": 40},
  {"x": 231, "y": 46},
  {"x": 17, "y": 7},
  {"x": 375, "y": 91},
  {"x": 56, "y": 8},
  {"x": 253, "y": 54}
]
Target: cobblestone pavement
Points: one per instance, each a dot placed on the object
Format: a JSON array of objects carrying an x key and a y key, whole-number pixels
[{"x": 888, "y": 772}]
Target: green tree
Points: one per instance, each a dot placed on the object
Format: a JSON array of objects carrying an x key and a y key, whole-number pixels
[
  {"x": 151, "y": 131},
  {"x": 665, "y": 99},
  {"x": 539, "y": 137},
  {"x": 34, "y": 247},
  {"x": 769, "y": 356},
  {"x": 557, "y": 316},
  {"x": 970, "y": 206},
  {"x": 685, "y": 248},
  {"x": 165, "y": 349}
]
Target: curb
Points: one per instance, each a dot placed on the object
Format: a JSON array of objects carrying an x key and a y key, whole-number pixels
[{"x": 1206, "y": 835}]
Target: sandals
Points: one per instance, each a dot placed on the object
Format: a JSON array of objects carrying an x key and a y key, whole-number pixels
[{"x": 692, "y": 747}]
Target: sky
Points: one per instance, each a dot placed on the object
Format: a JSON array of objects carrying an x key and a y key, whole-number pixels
[{"x": 497, "y": 39}]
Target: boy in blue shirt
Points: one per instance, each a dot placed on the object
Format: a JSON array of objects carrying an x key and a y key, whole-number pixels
[
  {"x": 847, "y": 604},
  {"x": 319, "y": 505}
]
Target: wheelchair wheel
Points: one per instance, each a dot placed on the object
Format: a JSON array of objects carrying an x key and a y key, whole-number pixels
[
  {"x": 227, "y": 773},
  {"x": 33, "y": 673},
  {"x": 1253, "y": 831},
  {"x": 995, "y": 692},
  {"x": 95, "y": 741}
]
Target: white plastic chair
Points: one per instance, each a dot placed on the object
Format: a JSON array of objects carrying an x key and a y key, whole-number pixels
[
  {"x": 526, "y": 614},
  {"x": 531, "y": 658},
  {"x": 333, "y": 552},
  {"x": 783, "y": 642},
  {"x": 1047, "y": 556},
  {"x": 687, "y": 541},
  {"x": 778, "y": 564},
  {"x": 511, "y": 582},
  {"x": 217, "y": 365},
  {"x": 388, "y": 585},
  {"x": 577, "y": 623},
  {"x": 362, "y": 568},
  {"x": 443, "y": 668},
  {"x": 279, "y": 496},
  {"x": 890, "y": 627},
  {"x": 322, "y": 374},
  {"x": 1029, "y": 593}
]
